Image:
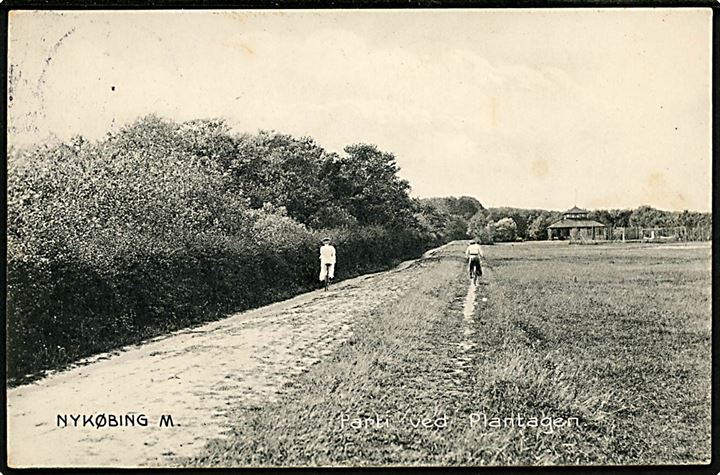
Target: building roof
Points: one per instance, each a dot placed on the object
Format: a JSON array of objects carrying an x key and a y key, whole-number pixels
[
  {"x": 576, "y": 210},
  {"x": 576, "y": 223}
]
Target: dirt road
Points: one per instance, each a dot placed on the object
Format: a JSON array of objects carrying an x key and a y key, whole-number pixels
[{"x": 73, "y": 418}]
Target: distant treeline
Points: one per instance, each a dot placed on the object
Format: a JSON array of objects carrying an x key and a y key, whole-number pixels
[
  {"x": 162, "y": 225},
  {"x": 512, "y": 224}
]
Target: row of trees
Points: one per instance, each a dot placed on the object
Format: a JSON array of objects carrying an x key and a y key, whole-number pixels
[
  {"x": 648, "y": 217},
  {"x": 163, "y": 224},
  {"x": 511, "y": 224}
]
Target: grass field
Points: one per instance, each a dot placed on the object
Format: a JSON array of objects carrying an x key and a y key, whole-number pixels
[{"x": 606, "y": 348}]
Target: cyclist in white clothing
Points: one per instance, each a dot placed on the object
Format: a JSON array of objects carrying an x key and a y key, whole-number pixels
[{"x": 327, "y": 260}]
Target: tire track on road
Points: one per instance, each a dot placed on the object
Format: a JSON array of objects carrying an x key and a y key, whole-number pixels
[{"x": 465, "y": 360}]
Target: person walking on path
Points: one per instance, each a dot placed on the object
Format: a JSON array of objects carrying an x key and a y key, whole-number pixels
[{"x": 327, "y": 260}]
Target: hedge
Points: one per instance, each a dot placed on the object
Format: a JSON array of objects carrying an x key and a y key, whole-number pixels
[{"x": 62, "y": 310}]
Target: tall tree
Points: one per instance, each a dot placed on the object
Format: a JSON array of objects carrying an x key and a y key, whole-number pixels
[
  {"x": 366, "y": 183},
  {"x": 537, "y": 229},
  {"x": 281, "y": 170}
]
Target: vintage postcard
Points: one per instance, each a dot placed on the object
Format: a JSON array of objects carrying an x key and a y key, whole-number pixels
[{"x": 302, "y": 238}]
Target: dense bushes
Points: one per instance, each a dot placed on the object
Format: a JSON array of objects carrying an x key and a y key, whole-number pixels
[{"x": 165, "y": 225}]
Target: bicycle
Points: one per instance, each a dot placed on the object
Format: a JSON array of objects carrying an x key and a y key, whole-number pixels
[
  {"x": 474, "y": 274},
  {"x": 327, "y": 276}
]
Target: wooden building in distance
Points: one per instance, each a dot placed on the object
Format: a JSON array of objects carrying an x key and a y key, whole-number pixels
[{"x": 575, "y": 225}]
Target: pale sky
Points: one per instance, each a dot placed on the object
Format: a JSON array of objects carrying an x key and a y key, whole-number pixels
[{"x": 523, "y": 108}]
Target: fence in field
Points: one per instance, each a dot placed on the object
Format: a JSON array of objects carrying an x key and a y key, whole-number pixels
[{"x": 660, "y": 234}]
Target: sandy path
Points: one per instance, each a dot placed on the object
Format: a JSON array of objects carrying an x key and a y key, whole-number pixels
[{"x": 193, "y": 375}]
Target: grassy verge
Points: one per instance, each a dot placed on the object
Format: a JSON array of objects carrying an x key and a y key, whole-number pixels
[{"x": 612, "y": 344}]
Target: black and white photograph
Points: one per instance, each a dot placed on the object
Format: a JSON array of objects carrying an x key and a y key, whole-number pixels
[{"x": 359, "y": 237}]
